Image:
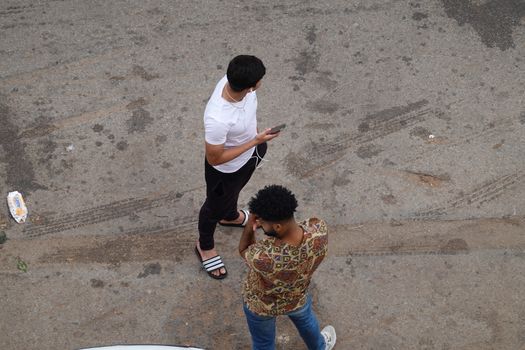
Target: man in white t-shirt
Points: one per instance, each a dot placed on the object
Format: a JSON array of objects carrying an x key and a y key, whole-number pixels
[{"x": 233, "y": 150}]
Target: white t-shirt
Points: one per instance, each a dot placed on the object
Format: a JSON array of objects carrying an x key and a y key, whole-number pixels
[{"x": 231, "y": 124}]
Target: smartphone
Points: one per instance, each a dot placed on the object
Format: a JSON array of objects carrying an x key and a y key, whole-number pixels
[{"x": 276, "y": 129}]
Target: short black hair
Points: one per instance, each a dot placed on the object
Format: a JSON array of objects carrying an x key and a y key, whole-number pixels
[
  {"x": 273, "y": 203},
  {"x": 244, "y": 71}
]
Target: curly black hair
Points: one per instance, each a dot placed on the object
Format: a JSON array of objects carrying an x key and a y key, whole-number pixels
[{"x": 273, "y": 203}]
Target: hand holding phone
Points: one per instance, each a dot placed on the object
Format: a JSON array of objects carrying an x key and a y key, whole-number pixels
[{"x": 276, "y": 129}]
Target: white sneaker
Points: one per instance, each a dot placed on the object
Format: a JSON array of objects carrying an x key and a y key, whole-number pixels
[{"x": 328, "y": 333}]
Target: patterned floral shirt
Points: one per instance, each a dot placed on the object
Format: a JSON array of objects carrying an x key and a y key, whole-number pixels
[{"x": 280, "y": 273}]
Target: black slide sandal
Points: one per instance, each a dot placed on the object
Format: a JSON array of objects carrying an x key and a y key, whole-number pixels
[
  {"x": 212, "y": 264},
  {"x": 244, "y": 222}
]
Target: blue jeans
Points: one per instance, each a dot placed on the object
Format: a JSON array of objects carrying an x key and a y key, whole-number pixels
[{"x": 262, "y": 328}]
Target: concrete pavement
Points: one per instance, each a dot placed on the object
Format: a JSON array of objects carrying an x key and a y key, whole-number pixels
[{"x": 405, "y": 133}]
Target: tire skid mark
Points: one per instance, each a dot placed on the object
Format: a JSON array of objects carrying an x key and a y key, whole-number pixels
[
  {"x": 372, "y": 127},
  {"x": 376, "y": 130},
  {"x": 488, "y": 188},
  {"x": 485, "y": 134},
  {"x": 178, "y": 224},
  {"x": 174, "y": 240},
  {"x": 391, "y": 253},
  {"x": 80, "y": 119},
  {"x": 483, "y": 193},
  {"x": 103, "y": 213},
  {"x": 432, "y": 237},
  {"x": 15, "y": 10},
  {"x": 388, "y": 127},
  {"x": 450, "y": 247},
  {"x": 496, "y": 189},
  {"x": 142, "y": 244},
  {"x": 63, "y": 67}
]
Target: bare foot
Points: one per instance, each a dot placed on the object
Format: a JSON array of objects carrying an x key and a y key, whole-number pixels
[
  {"x": 238, "y": 221},
  {"x": 208, "y": 254}
]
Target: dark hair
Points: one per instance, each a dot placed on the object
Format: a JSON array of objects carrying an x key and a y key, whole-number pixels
[
  {"x": 244, "y": 72},
  {"x": 273, "y": 203}
]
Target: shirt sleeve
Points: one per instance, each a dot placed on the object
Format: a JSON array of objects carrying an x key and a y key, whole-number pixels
[
  {"x": 319, "y": 235},
  {"x": 258, "y": 259},
  {"x": 215, "y": 131}
]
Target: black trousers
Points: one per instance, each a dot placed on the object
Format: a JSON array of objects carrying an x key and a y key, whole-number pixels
[{"x": 222, "y": 194}]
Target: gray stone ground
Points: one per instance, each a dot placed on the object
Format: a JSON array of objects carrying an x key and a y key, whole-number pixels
[{"x": 427, "y": 249}]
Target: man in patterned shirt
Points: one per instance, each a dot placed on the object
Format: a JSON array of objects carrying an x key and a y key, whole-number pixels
[{"x": 281, "y": 267}]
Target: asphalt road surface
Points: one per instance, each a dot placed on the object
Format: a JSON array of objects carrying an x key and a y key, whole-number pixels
[{"x": 405, "y": 132}]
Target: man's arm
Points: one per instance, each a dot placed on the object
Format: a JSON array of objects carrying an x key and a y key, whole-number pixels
[
  {"x": 248, "y": 235},
  {"x": 217, "y": 154}
]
